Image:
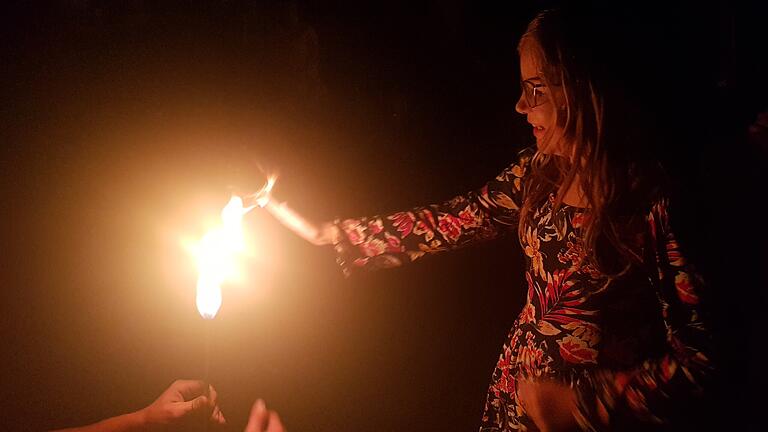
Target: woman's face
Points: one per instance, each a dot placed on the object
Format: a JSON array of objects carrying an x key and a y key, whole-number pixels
[{"x": 538, "y": 101}]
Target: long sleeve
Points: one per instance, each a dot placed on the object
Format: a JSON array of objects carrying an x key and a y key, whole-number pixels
[
  {"x": 659, "y": 389},
  {"x": 384, "y": 241}
]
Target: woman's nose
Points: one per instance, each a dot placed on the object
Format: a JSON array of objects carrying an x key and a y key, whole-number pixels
[{"x": 521, "y": 106}]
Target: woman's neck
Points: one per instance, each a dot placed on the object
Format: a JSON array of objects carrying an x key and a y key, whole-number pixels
[{"x": 574, "y": 196}]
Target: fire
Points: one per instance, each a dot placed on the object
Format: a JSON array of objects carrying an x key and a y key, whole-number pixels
[
  {"x": 216, "y": 257},
  {"x": 218, "y": 251}
]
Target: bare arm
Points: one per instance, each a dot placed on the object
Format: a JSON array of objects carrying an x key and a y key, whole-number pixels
[
  {"x": 319, "y": 234},
  {"x": 182, "y": 402},
  {"x": 127, "y": 422},
  {"x": 389, "y": 240}
]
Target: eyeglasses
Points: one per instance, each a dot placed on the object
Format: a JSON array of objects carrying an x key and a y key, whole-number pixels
[{"x": 533, "y": 94}]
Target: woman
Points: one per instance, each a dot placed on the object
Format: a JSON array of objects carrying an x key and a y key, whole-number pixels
[{"x": 613, "y": 334}]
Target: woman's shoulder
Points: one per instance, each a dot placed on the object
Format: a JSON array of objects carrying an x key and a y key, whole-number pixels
[{"x": 525, "y": 155}]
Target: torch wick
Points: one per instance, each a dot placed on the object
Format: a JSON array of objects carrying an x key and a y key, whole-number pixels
[{"x": 206, "y": 373}]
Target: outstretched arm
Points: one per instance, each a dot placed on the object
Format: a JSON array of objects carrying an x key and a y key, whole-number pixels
[
  {"x": 319, "y": 234},
  {"x": 390, "y": 240},
  {"x": 182, "y": 402},
  {"x": 123, "y": 423}
]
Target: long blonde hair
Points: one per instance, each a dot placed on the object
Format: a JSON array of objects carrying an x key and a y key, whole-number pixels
[{"x": 605, "y": 130}]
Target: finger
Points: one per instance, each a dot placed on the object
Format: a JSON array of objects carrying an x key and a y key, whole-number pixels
[
  {"x": 214, "y": 397},
  {"x": 275, "y": 425},
  {"x": 189, "y": 389},
  {"x": 217, "y": 416},
  {"x": 258, "y": 418},
  {"x": 183, "y": 409}
]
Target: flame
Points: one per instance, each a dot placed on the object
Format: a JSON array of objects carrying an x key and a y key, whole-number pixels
[{"x": 216, "y": 257}]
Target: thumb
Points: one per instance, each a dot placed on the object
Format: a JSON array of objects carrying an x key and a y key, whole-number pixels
[
  {"x": 258, "y": 418},
  {"x": 275, "y": 425},
  {"x": 183, "y": 409}
]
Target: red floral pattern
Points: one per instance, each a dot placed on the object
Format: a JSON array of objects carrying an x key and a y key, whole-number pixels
[{"x": 575, "y": 350}]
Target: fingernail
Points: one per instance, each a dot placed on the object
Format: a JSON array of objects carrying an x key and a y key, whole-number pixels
[{"x": 260, "y": 405}]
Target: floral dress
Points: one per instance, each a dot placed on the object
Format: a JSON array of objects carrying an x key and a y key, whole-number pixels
[{"x": 633, "y": 348}]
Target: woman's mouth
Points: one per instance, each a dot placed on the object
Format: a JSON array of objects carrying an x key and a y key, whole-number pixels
[{"x": 538, "y": 131}]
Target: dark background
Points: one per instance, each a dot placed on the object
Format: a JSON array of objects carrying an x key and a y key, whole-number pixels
[{"x": 126, "y": 123}]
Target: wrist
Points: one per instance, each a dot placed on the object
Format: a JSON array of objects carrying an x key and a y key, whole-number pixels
[
  {"x": 333, "y": 233},
  {"x": 141, "y": 419},
  {"x": 325, "y": 234}
]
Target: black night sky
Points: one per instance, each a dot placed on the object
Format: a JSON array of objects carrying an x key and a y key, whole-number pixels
[{"x": 126, "y": 124}]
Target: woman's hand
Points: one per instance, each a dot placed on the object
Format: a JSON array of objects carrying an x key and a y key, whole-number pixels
[
  {"x": 549, "y": 404},
  {"x": 184, "y": 400},
  {"x": 263, "y": 196},
  {"x": 317, "y": 234},
  {"x": 263, "y": 420},
  {"x": 182, "y": 404}
]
